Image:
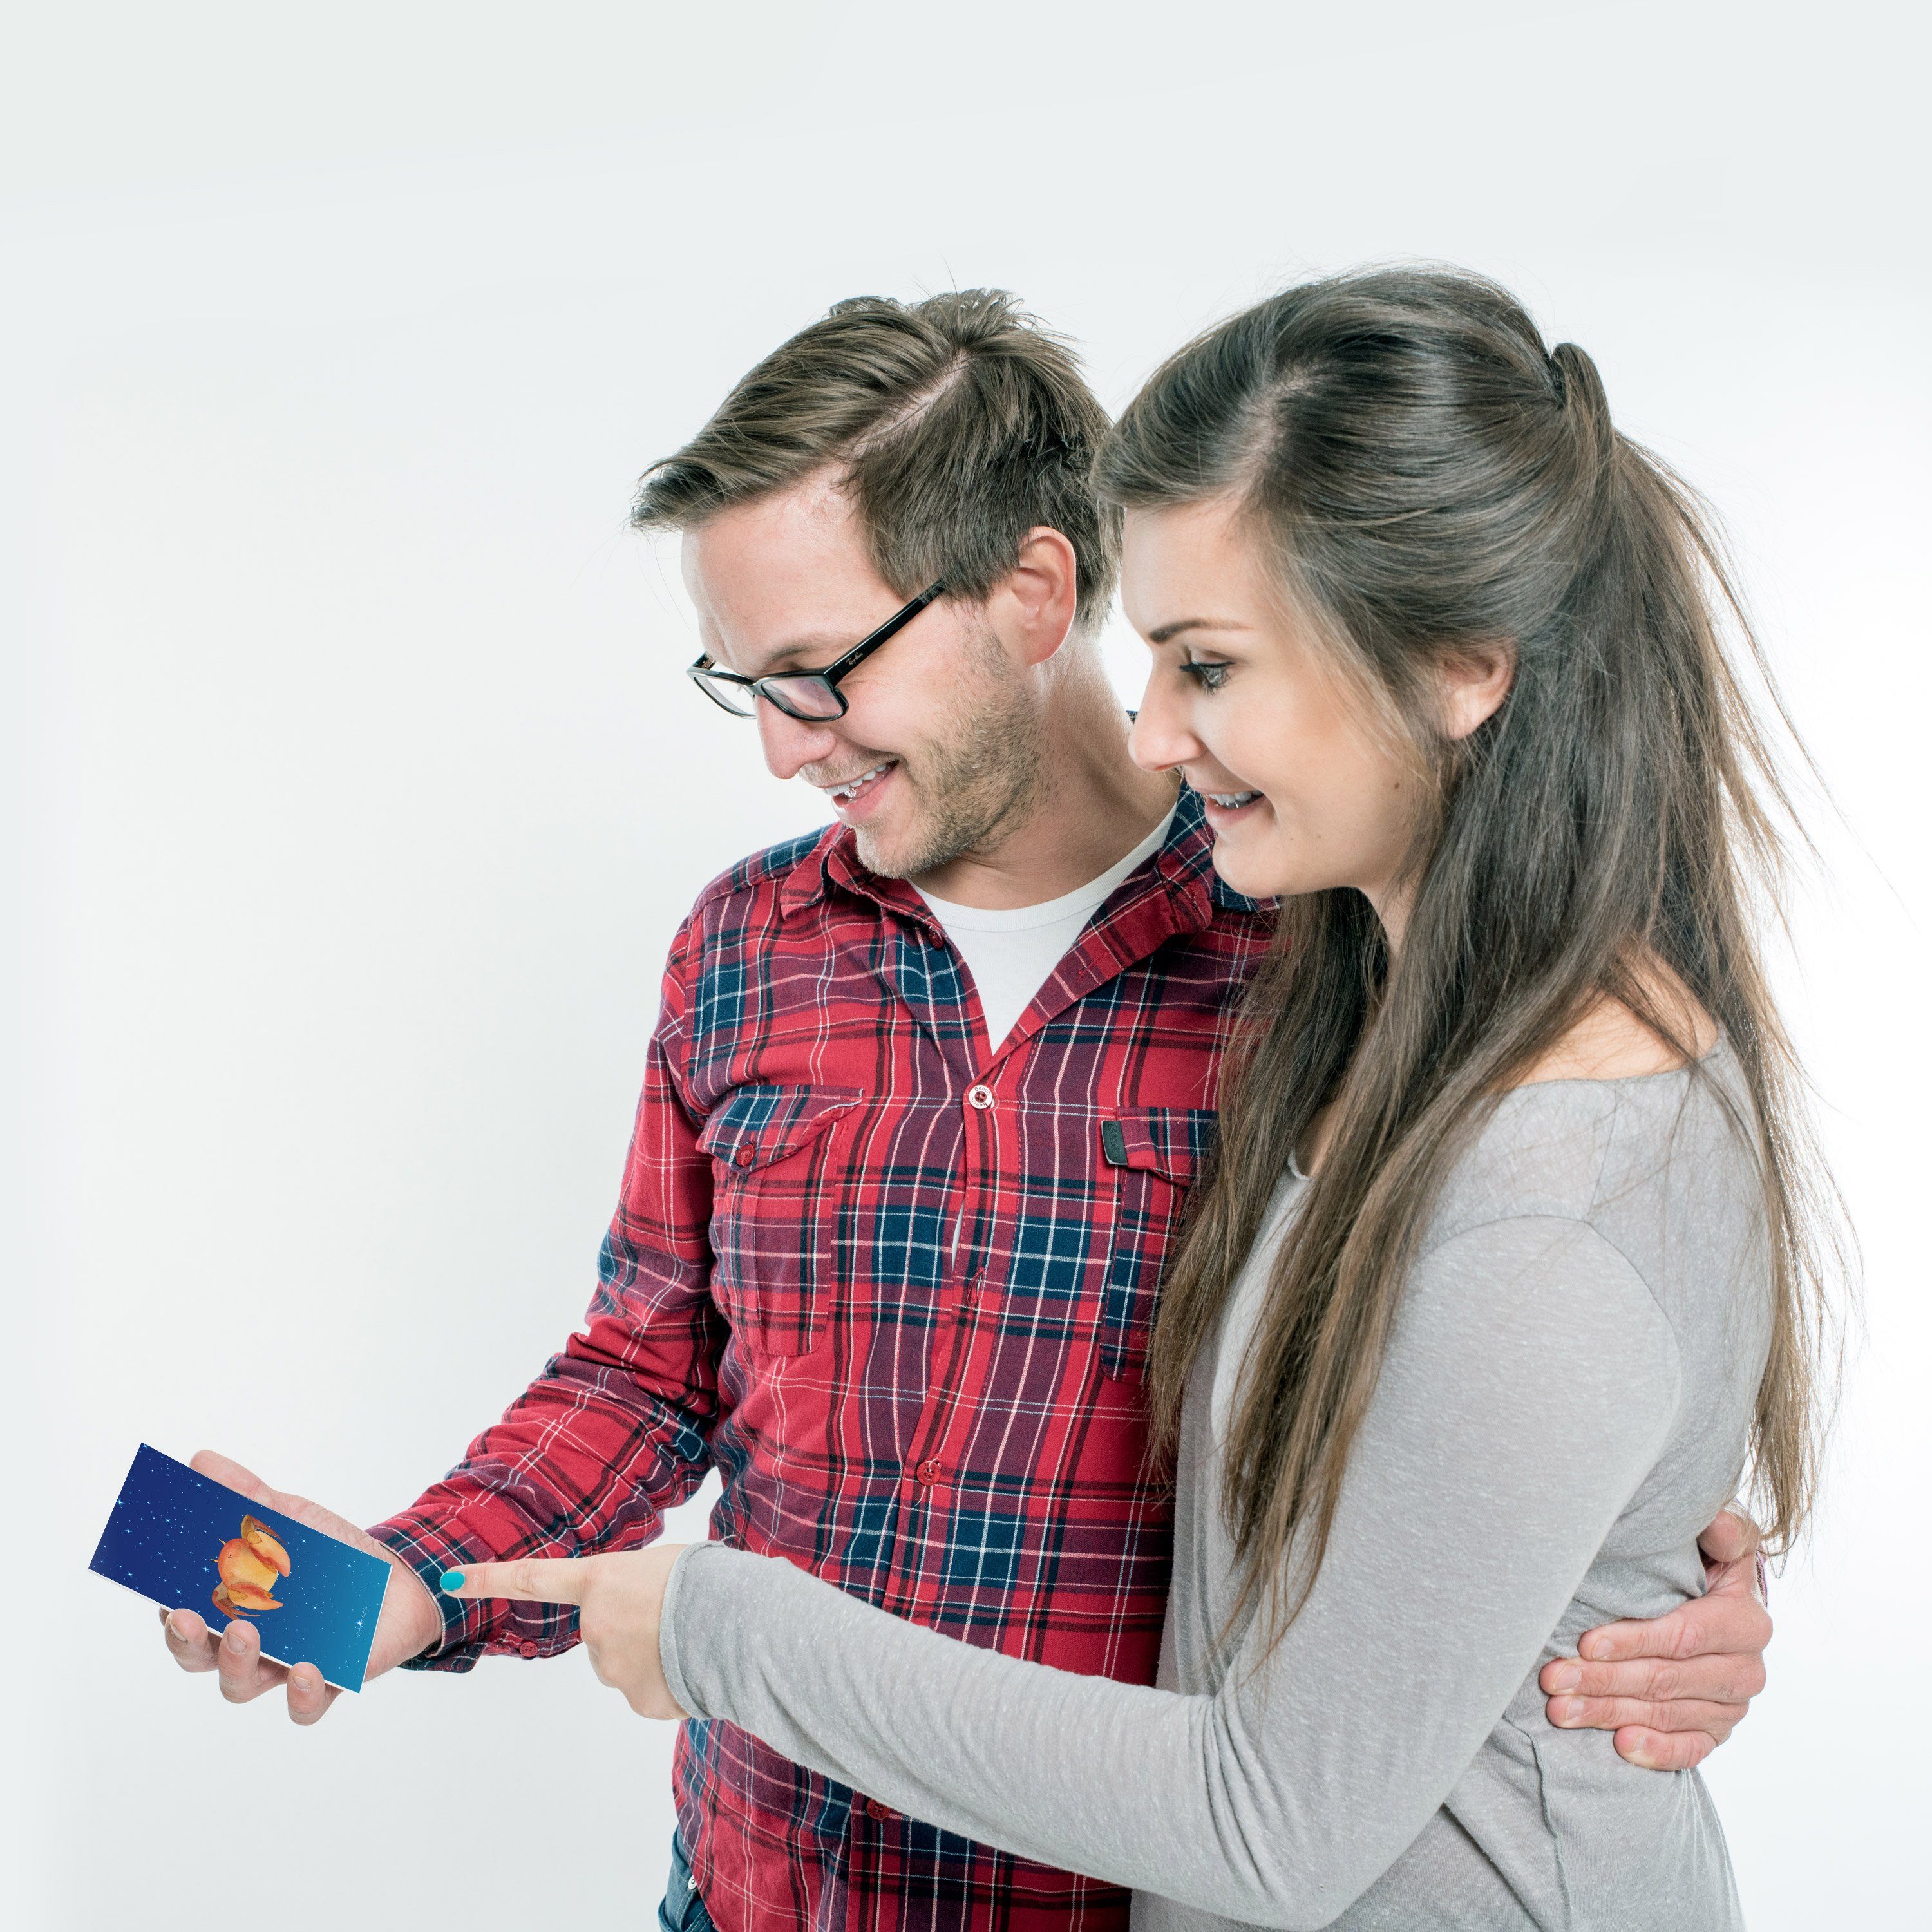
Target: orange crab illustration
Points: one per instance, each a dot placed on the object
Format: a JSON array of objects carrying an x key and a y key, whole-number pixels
[{"x": 250, "y": 1564}]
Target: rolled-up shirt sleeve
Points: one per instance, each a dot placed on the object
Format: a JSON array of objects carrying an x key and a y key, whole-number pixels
[{"x": 617, "y": 1427}]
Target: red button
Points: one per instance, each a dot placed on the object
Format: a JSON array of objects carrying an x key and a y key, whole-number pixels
[
  {"x": 980, "y": 1096},
  {"x": 929, "y": 1471},
  {"x": 745, "y": 1156},
  {"x": 526, "y": 1649},
  {"x": 873, "y": 1809}
]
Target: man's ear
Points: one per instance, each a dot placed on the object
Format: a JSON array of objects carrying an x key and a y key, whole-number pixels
[
  {"x": 1032, "y": 607},
  {"x": 1475, "y": 681}
]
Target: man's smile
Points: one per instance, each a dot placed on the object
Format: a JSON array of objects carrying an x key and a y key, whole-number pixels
[{"x": 853, "y": 795}]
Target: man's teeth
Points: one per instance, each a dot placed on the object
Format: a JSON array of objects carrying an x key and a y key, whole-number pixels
[
  {"x": 1232, "y": 798},
  {"x": 850, "y": 789}
]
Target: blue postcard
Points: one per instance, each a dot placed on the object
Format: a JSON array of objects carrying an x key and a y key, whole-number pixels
[{"x": 187, "y": 1542}]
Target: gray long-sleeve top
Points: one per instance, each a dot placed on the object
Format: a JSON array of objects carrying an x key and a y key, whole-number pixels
[{"x": 1563, "y": 1407}]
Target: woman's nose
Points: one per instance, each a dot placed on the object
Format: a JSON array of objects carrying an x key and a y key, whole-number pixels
[{"x": 1160, "y": 738}]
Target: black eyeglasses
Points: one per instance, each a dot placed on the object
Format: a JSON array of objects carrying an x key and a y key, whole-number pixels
[{"x": 811, "y": 695}]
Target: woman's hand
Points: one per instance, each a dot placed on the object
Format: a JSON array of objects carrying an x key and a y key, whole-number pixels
[{"x": 619, "y": 1599}]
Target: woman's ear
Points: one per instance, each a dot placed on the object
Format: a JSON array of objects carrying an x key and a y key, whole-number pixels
[{"x": 1475, "y": 681}]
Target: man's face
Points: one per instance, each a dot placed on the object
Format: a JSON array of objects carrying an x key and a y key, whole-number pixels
[{"x": 939, "y": 750}]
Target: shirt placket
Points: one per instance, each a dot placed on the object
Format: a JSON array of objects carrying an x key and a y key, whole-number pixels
[
  {"x": 931, "y": 1465},
  {"x": 957, "y": 1365},
  {"x": 934, "y": 999}
]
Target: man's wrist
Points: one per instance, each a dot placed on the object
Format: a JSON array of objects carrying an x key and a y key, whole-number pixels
[
  {"x": 419, "y": 1621},
  {"x": 425, "y": 1630},
  {"x": 420, "y": 1629}
]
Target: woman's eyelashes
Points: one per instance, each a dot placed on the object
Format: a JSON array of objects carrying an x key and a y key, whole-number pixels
[{"x": 1209, "y": 673}]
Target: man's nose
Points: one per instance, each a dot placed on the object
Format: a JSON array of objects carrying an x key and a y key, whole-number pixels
[
  {"x": 790, "y": 743},
  {"x": 1162, "y": 737}
]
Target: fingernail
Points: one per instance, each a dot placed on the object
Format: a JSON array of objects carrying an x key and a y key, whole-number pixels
[
  {"x": 231, "y": 1637},
  {"x": 174, "y": 1628},
  {"x": 1572, "y": 1711},
  {"x": 1566, "y": 1677},
  {"x": 452, "y": 1580}
]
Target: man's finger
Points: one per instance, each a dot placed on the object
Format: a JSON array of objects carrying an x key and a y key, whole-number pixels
[
  {"x": 1722, "y": 1679},
  {"x": 309, "y": 1696},
  {"x": 1731, "y": 1538},
  {"x": 189, "y": 1641},
  {"x": 1729, "y": 1621},
  {"x": 231, "y": 1475},
  {"x": 1615, "y": 1714},
  {"x": 244, "y": 1674},
  {"x": 1664, "y": 1751},
  {"x": 1617, "y": 1643},
  {"x": 530, "y": 1580}
]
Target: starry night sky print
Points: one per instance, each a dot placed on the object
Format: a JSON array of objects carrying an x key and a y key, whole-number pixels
[{"x": 168, "y": 1521}]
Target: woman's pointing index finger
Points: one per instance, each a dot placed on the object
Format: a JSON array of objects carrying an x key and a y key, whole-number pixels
[{"x": 529, "y": 1579}]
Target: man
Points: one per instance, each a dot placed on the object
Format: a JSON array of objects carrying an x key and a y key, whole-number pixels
[{"x": 925, "y": 1097}]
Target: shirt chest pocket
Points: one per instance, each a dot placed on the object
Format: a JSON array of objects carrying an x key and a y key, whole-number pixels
[
  {"x": 1154, "y": 1153},
  {"x": 776, "y": 1197}
]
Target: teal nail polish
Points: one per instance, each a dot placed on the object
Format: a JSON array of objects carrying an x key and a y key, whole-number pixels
[{"x": 452, "y": 1580}]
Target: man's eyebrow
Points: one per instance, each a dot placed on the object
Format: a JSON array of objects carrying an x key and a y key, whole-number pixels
[
  {"x": 821, "y": 647},
  {"x": 1167, "y": 633}
]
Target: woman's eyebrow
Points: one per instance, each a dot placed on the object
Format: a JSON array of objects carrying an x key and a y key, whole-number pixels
[{"x": 1167, "y": 633}]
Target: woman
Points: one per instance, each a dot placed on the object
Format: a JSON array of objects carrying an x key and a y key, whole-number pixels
[{"x": 1441, "y": 648}]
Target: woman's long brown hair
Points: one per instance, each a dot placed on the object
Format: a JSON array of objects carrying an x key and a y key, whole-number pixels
[{"x": 1427, "y": 479}]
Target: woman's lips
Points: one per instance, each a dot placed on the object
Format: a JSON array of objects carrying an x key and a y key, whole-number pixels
[{"x": 1225, "y": 809}]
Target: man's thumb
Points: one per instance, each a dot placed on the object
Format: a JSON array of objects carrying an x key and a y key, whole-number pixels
[
  {"x": 231, "y": 1475},
  {"x": 1730, "y": 1538}
]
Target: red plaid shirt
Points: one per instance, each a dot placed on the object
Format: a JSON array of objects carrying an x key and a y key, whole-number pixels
[{"x": 898, "y": 1289}]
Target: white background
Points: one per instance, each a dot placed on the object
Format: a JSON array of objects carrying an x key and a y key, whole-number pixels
[{"x": 356, "y": 789}]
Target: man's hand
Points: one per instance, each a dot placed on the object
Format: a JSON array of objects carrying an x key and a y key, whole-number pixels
[
  {"x": 410, "y": 1623},
  {"x": 1672, "y": 1688},
  {"x": 619, "y": 1600}
]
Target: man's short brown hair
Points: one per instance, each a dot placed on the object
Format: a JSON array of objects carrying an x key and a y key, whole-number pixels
[{"x": 958, "y": 424}]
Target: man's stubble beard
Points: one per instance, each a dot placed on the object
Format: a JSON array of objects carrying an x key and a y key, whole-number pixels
[{"x": 980, "y": 778}]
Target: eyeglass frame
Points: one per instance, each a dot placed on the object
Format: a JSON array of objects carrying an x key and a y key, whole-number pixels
[{"x": 831, "y": 677}]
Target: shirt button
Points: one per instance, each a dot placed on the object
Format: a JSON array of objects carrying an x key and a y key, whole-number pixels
[
  {"x": 873, "y": 1809},
  {"x": 929, "y": 1471},
  {"x": 745, "y": 1156},
  {"x": 980, "y": 1096},
  {"x": 526, "y": 1649}
]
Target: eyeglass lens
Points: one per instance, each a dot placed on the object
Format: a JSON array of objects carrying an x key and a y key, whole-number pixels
[{"x": 805, "y": 697}]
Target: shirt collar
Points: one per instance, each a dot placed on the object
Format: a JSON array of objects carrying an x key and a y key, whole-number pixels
[{"x": 1184, "y": 864}]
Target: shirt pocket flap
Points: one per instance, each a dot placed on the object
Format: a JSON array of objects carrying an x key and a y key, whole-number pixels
[
  {"x": 760, "y": 1125},
  {"x": 1156, "y": 1151},
  {"x": 1170, "y": 1141}
]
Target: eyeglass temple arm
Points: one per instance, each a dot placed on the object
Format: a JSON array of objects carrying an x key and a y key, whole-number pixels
[{"x": 884, "y": 634}]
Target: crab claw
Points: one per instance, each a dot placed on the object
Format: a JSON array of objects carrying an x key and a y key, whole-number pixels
[
  {"x": 245, "y": 1598},
  {"x": 263, "y": 1540}
]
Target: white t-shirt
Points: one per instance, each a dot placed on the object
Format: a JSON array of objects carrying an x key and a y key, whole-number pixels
[{"x": 1011, "y": 952}]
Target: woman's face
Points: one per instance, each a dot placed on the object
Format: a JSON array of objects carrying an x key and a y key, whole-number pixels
[{"x": 1303, "y": 791}]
